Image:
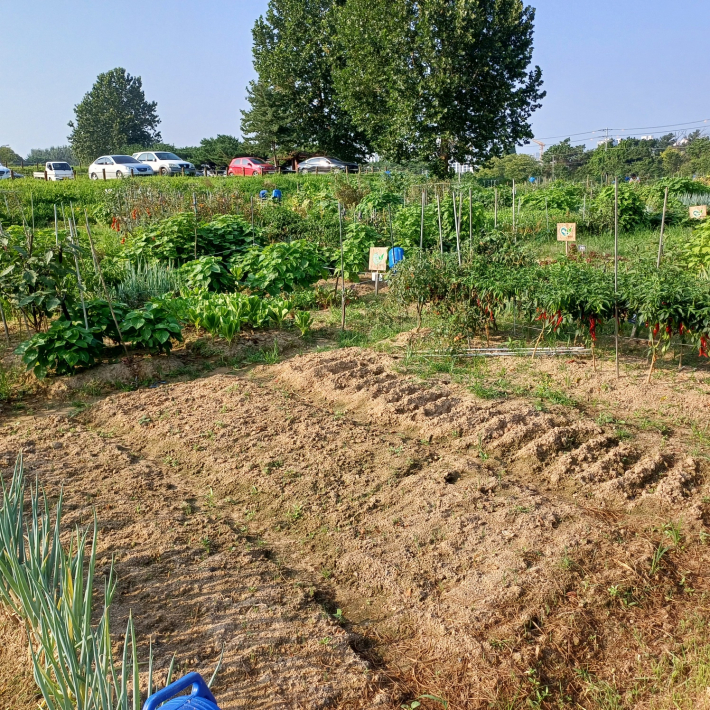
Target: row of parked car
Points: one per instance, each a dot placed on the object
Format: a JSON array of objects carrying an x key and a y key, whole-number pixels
[{"x": 110, "y": 167}]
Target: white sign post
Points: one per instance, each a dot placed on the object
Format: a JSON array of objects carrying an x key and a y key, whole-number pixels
[{"x": 698, "y": 212}]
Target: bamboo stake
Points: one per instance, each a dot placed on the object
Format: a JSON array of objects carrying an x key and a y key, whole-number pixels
[
  {"x": 537, "y": 342},
  {"x": 663, "y": 226},
  {"x": 470, "y": 219},
  {"x": 514, "y": 211},
  {"x": 653, "y": 357},
  {"x": 389, "y": 212},
  {"x": 457, "y": 217},
  {"x": 4, "y": 323},
  {"x": 76, "y": 264},
  {"x": 56, "y": 226},
  {"x": 616, "y": 275},
  {"x": 441, "y": 234},
  {"x": 421, "y": 234},
  {"x": 103, "y": 284},
  {"x": 194, "y": 209},
  {"x": 495, "y": 208},
  {"x": 342, "y": 265}
]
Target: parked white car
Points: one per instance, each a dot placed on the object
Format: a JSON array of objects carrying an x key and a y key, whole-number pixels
[
  {"x": 165, "y": 163},
  {"x": 55, "y": 171},
  {"x": 4, "y": 172},
  {"x": 108, "y": 167}
]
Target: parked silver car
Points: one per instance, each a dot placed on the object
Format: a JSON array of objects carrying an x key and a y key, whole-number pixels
[
  {"x": 165, "y": 163},
  {"x": 111, "y": 167}
]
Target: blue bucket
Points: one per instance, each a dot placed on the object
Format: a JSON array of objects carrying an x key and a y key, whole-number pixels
[
  {"x": 199, "y": 699},
  {"x": 396, "y": 254}
]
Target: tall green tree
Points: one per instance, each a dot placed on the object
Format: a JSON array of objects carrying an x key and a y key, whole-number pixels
[
  {"x": 114, "y": 113},
  {"x": 59, "y": 152},
  {"x": 8, "y": 156},
  {"x": 563, "y": 160},
  {"x": 293, "y": 57},
  {"x": 268, "y": 124},
  {"x": 217, "y": 151},
  {"x": 438, "y": 79}
]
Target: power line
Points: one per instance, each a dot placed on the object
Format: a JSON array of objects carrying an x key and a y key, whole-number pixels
[{"x": 636, "y": 128}]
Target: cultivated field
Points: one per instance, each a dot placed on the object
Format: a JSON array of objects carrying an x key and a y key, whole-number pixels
[{"x": 377, "y": 515}]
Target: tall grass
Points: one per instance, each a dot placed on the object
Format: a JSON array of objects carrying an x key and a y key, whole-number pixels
[
  {"x": 145, "y": 281},
  {"x": 52, "y": 589}
]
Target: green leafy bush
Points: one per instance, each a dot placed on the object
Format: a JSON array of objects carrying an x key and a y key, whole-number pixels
[
  {"x": 173, "y": 238},
  {"x": 280, "y": 267},
  {"x": 632, "y": 209},
  {"x": 356, "y": 249},
  {"x": 169, "y": 239},
  {"x": 151, "y": 327},
  {"x": 65, "y": 346},
  {"x": 207, "y": 272},
  {"x": 559, "y": 195}
]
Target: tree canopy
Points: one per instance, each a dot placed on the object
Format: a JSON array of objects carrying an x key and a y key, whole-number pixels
[
  {"x": 59, "y": 152},
  {"x": 113, "y": 114},
  {"x": 293, "y": 56},
  {"x": 268, "y": 125},
  {"x": 8, "y": 156},
  {"x": 438, "y": 79}
]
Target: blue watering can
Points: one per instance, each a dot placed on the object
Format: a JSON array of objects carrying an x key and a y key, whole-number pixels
[
  {"x": 263, "y": 195},
  {"x": 276, "y": 195},
  {"x": 396, "y": 254},
  {"x": 199, "y": 699}
]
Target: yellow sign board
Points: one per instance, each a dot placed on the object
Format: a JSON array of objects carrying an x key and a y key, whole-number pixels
[
  {"x": 699, "y": 212},
  {"x": 567, "y": 232},
  {"x": 378, "y": 258}
]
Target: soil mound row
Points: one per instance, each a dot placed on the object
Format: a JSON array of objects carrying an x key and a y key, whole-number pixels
[{"x": 557, "y": 446}]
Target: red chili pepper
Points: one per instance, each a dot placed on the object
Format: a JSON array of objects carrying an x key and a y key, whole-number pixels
[
  {"x": 593, "y": 328},
  {"x": 703, "y": 346},
  {"x": 669, "y": 330},
  {"x": 656, "y": 329}
]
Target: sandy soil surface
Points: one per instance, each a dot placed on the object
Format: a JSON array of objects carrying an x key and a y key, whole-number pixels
[{"x": 353, "y": 536}]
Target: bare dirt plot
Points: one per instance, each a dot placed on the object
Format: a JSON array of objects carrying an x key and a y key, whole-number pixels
[{"x": 462, "y": 539}]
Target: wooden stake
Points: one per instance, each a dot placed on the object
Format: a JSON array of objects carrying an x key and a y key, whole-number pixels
[
  {"x": 514, "y": 211},
  {"x": 495, "y": 208}
]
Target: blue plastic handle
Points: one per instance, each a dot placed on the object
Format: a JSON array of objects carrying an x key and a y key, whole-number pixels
[{"x": 199, "y": 690}]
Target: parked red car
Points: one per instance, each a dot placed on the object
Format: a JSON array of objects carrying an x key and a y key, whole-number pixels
[{"x": 250, "y": 166}]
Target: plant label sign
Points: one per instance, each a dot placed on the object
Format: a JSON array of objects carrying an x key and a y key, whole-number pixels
[
  {"x": 699, "y": 212},
  {"x": 378, "y": 258},
  {"x": 567, "y": 232}
]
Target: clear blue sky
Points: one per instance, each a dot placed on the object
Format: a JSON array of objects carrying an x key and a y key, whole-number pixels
[{"x": 622, "y": 64}]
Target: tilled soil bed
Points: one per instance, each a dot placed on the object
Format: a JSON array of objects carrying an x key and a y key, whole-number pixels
[{"x": 354, "y": 537}]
